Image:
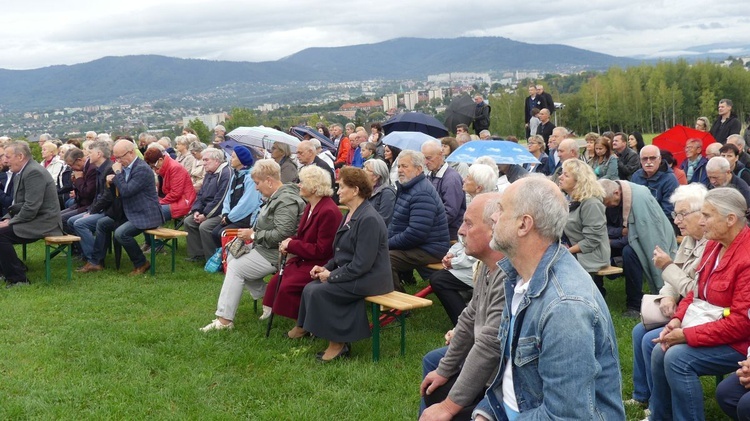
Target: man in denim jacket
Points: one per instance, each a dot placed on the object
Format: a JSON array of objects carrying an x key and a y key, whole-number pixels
[{"x": 560, "y": 358}]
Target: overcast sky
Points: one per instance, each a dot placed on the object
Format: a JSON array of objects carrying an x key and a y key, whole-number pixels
[{"x": 40, "y": 33}]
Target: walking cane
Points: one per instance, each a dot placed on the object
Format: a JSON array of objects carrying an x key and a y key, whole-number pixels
[{"x": 282, "y": 263}]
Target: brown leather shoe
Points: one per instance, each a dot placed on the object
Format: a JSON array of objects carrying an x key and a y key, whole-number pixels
[
  {"x": 88, "y": 267},
  {"x": 140, "y": 270}
]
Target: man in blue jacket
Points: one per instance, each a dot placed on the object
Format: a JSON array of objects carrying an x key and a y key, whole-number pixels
[
  {"x": 560, "y": 357},
  {"x": 418, "y": 233},
  {"x": 659, "y": 179}
]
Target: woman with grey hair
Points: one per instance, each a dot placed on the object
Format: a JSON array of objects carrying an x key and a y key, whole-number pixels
[
  {"x": 198, "y": 172},
  {"x": 679, "y": 277},
  {"x": 183, "y": 155},
  {"x": 282, "y": 154},
  {"x": 481, "y": 178},
  {"x": 383, "y": 196},
  {"x": 690, "y": 348}
]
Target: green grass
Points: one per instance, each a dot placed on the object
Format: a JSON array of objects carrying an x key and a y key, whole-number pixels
[{"x": 110, "y": 346}]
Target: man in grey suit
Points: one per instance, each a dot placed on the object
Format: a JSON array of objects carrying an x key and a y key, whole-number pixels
[{"x": 34, "y": 214}]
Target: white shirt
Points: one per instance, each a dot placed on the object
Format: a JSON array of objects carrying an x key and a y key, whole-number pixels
[{"x": 509, "y": 391}]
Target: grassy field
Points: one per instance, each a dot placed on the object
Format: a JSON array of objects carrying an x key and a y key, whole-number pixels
[{"x": 110, "y": 346}]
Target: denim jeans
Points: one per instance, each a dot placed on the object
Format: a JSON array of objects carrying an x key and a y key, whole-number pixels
[
  {"x": 430, "y": 362},
  {"x": 676, "y": 378},
  {"x": 125, "y": 235},
  {"x": 633, "y": 278},
  {"x": 85, "y": 227},
  {"x": 104, "y": 226},
  {"x": 642, "y": 348}
]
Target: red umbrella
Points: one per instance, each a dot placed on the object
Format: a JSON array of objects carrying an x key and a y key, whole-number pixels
[{"x": 674, "y": 139}]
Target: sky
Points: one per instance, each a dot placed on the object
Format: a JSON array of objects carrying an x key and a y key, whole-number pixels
[{"x": 42, "y": 33}]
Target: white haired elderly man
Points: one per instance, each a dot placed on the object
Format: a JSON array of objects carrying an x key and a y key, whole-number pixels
[
  {"x": 447, "y": 183},
  {"x": 660, "y": 181},
  {"x": 720, "y": 175}
]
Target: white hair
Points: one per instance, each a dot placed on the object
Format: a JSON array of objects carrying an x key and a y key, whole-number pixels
[
  {"x": 484, "y": 176},
  {"x": 694, "y": 194}
]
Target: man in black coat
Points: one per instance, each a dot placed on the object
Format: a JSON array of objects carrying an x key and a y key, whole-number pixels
[
  {"x": 6, "y": 184},
  {"x": 532, "y": 101},
  {"x": 726, "y": 124},
  {"x": 481, "y": 115},
  {"x": 546, "y": 99},
  {"x": 545, "y": 127}
]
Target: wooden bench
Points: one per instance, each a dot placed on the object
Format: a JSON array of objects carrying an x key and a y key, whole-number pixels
[
  {"x": 609, "y": 270},
  {"x": 397, "y": 301},
  {"x": 54, "y": 245},
  {"x": 164, "y": 234}
]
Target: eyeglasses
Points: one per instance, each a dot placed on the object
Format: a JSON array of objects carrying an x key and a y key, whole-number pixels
[
  {"x": 649, "y": 158},
  {"x": 117, "y": 158},
  {"x": 681, "y": 215}
]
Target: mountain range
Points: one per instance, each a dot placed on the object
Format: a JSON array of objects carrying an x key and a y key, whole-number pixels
[{"x": 131, "y": 79}]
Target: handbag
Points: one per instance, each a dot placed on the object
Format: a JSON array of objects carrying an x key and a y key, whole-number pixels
[
  {"x": 237, "y": 248},
  {"x": 651, "y": 314},
  {"x": 700, "y": 312}
]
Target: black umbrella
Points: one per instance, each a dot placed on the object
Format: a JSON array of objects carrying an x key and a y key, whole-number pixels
[
  {"x": 415, "y": 122},
  {"x": 460, "y": 111}
]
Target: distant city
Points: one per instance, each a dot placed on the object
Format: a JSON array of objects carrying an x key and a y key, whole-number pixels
[{"x": 389, "y": 97}]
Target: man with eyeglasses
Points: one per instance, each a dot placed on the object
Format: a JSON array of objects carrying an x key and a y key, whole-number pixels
[
  {"x": 659, "y": 179},
  {"x": 636, "y": 224},
  {"x": 134, "y": 180},
  {"x": 694, "y": 164},
  {"x": 720, "y": 175}
]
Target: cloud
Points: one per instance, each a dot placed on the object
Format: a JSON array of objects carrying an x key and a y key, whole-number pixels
[{"x": 78, "y": 31}]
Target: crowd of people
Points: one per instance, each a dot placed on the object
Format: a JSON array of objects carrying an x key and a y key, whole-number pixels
[{"x": 520, "y": 246}]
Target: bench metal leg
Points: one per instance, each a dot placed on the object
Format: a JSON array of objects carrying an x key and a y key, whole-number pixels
[
  {"x": 402, "y": 320},
  {"x": 47, "y": 258},
  {"x": 23, "y": 251},
  {"x": 174, "y": 249},
  {"x": 375, "y": 332},
  {"x": 69, "y": 257},
  {"x": 153, "y": 255}
]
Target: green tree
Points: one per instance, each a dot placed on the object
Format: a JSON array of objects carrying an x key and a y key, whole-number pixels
[
  {"x": 241, "y": 117},
  {"x": 201, "y": 130}
]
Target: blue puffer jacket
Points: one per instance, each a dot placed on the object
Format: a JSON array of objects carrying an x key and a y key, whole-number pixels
[
  {"x": 662, "y": 184},
  {"x": 419, "y": 219}
]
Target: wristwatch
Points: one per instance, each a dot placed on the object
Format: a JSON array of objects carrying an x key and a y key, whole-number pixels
[{"x": 118, "y": 171}]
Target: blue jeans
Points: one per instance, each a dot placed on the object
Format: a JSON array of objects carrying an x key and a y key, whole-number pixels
[
  {"x": 85, "y": 228},
  {"x": 676, "y": 378},
  {"x": 125, "y": 235},
  {"x": 430, "y": 362},
  {"x": 104, "y": 226},
  {"x": 642, "y": 348}
]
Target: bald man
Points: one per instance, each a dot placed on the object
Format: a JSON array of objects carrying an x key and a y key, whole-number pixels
[{"x": 568, "y": 149}]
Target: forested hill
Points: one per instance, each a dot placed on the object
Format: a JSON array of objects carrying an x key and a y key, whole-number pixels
[{"x": 149, "y": 77}]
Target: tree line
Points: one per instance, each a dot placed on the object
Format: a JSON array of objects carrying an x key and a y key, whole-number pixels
[{"x": 645, "y": 98}]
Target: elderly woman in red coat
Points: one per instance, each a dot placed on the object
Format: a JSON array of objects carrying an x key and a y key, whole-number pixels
[
  {"x": 176, "y": 184},
  {"x": 313, "y": 244}
]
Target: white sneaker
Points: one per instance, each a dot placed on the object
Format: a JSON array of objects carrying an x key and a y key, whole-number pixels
[
  {"x": 266, "y": 313},
  {"x": 216, "y": 325}
]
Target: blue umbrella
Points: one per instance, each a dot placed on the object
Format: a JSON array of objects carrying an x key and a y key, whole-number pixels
[
  {"x": 301, "y": 131},
  {"x": 501, "y": 151},
  {"x": 407, "y": 140},
  {"x": 415, "y": 122}
]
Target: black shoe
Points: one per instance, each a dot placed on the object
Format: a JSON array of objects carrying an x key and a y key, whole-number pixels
[
  {"x": 17, "y": 283},
  {"x": 631, "y": 313}
]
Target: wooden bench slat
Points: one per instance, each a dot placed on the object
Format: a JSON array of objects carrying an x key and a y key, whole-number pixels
[
  {"x": 166, "y": 233},
  {"x": 435, "y": 266},
  {"x": 62, "y": 239},
  {"x": 610, "y": 270},
  {"x": 399, "y": 301}
]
